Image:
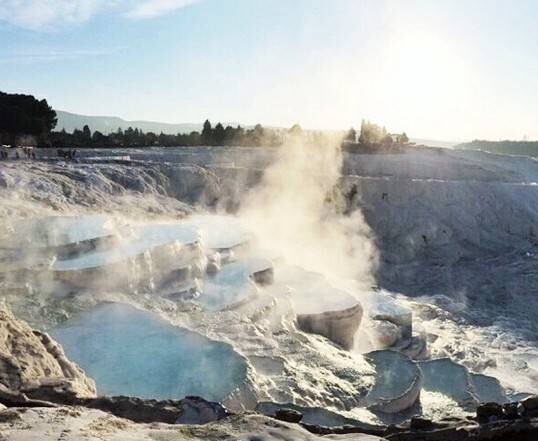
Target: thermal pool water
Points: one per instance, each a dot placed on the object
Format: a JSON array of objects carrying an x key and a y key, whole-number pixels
[{"x": 132, "y": 352}]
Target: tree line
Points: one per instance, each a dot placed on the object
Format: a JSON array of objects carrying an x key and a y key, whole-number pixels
[
  {"x": 24, "y": 120},
  {"x": 372, "y": 134},
  {"x": 217, "y": 135}
]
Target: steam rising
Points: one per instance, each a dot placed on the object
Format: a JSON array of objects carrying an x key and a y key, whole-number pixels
[{"x": 295, "y": 212}]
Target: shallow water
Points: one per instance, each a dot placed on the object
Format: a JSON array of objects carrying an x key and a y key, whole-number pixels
[
  {"x": 144, "y": 238},
  {"x": 132, "y": 352},
  {"x": 58, "y": 230}
]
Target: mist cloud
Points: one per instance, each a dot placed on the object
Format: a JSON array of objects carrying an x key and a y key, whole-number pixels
[{"x": 295, "y": 212}]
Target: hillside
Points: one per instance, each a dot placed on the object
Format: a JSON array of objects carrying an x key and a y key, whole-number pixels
[
  {"x": 107, "y": 124},
  {"x": 527, "y": 148}
]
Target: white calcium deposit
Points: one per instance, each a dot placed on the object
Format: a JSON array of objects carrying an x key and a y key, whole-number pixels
[{"x": 451, "y": 273}]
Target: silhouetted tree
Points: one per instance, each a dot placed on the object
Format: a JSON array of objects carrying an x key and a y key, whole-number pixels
[
  {"x": 207, "y": 133},
  {"x": 150, "y": 139},
  {"x": 25, "y": 115},
  {"x": 238, "y": 136},
  {"x": 194, "y": 138},
  {"x": 99, "y": 140},
  {"x": 218, "y": 134},
  {"x": 86, "y": 136},
  {"x": 372, "y": 133}
]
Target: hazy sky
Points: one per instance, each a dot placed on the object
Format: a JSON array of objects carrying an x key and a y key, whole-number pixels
[{"x": 451, "y": 70}]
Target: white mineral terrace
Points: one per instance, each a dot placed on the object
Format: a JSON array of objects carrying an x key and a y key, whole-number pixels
[
  {"x": 452, "y": 299},
  {"x": 210, "y": 261}
]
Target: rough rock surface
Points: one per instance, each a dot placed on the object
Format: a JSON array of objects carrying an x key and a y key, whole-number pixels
[
  {"x": 77, "y": 424},
  {"x": 110, "y": 187},
  {"x": 384, "y": 333},
  {"x": 74, "y": 423},
  {"x": 189, "y": 410},
  {"x": 492, "y": 422},
  {"x": 31, "y": 362}
]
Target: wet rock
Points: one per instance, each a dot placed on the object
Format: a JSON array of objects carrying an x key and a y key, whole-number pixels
[
  {"x": 418, "y": 423},
  {"x": 261, "y": 271},
  {"x": 289, "y": 415},
  {"x": 414, "y": 348},
  {"x": 530, "y": 406},
  {"x": 189, "y": 410},
  {"x": 317, "y": 417},
  {"x": 213, "y": 264},
  {"x": 212, "y": 267},
  {"x": 358, "y": 433},
  {"x": 489, "y": 410},
  {"x": 499, "y": 430},
  {"x": 264, "y": 277},
  {"x": 511, "y": 411},
  {"x": 52, "y": 389},
  {"x": 181, "y": 292},
  {"x": 338, "y": 326},
  {"x": 386, "y": 308},
  {"x": 384, "y": 333},
  {"x": 12, "y": 398},
  {"x": 196, "y": 410}
]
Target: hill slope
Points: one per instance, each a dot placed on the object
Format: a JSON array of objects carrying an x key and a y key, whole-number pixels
[
  {"x": 526, "y": 148},
  {"x": 107, "y": 124}
]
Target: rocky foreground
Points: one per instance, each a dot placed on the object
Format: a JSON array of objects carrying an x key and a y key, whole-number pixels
[{"x": 44, "y": 396}]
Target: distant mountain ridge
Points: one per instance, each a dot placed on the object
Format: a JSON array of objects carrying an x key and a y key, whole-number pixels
[{"x": 108, "y": 124}]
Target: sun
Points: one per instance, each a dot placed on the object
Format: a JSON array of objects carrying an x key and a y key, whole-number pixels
[{"x": 424, "y": 69}]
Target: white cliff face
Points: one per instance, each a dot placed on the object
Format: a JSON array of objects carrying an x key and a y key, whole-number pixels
[{"x": 458, "y": 230}]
